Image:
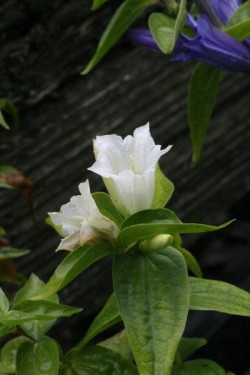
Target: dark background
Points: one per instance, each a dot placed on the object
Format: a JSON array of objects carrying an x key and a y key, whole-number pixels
[{"x": 44, "y": 45}]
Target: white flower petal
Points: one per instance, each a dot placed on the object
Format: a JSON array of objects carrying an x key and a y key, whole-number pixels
[
  {"x": 70, "y": 242},
  {"x": 128, "y": 168},
  {"x": 81, "y": 221}
]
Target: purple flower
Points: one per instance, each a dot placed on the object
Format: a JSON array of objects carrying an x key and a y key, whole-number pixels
[{"x": 209, "y": 44}]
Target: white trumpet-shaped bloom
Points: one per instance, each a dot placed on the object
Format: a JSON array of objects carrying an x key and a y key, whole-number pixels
[
  {"x": 128, "y": 168},
  {"x": 81, "y": 221}
]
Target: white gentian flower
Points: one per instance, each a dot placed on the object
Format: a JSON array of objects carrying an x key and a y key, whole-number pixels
[
  {"x": 128, "y": 168},
  {"x": 81, "y": 221}
]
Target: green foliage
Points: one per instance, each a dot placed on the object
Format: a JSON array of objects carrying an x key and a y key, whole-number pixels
[
  {"x": 37, "y": 358},
  {"x": 198, "y": 367},
  {"x": 107, "y": 208},
  {"x": 76, "y": 262},
  {"x": 125, "y": 15},
  {"x": 7, "y": 107},
  {"x": 99, "y": 360},
  {"x": 202, "y": 92},
  {"x": 165, "y": 30},
  {"x": 119, "y": 343},
  {"x": 107, "y": 317},
  {"x": 10, "y": 253},
  {"x": 238, "y": 25},
  {"x": 153, "y": 302},
  {"x": 218, "y": 296},
  {"x": 98, "y": 3},
  {"x": 9, "y": 353},
  {"x": 190, "y": 345},
  {"x": 150, "y": 223},
  {"x": 164, "y": 189}
]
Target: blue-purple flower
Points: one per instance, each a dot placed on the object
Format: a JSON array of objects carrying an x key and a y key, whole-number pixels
[{"x": 209, "y": 44}]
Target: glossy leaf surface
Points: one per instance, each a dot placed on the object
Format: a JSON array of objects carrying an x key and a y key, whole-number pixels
[
  {"x": 202, "y": 93},
  {"x": 74, "y": 263},
  {"x": 153, "y": 299},
  {"x": 125, "y": 15},
  {"x": 100, "y": 360},
  {"x": 218, "y": 296},
  {"x": 38, "y": 358},
  {"x": 165, "y": 30}
]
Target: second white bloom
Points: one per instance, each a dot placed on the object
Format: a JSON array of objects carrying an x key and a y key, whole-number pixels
[{"x": 128, "y": 168}]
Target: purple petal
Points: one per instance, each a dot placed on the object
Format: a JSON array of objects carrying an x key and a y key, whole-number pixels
[
  {"x": 225, "y": 8},
  {"x": 144, "y": 37},
  {"x": 213, "y": 47}
]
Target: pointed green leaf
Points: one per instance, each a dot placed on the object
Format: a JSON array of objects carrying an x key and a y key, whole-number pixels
[
  {"x": 38, "y": 358},
  {"x": 125, "y": 15},
  {"x": 202, "y": 93},
  {"x": 163, "y": 189},
  {"x": 34, "y": 328},
  {"x": 199, "y": 367},
  {"x": 107, "y": 208},
  {"x": 119, "y": 343},
  {"x": 100, "y": 360},
  {"x": 31, "y": 287},
  {"x": 9, "y": 253},
  {"x": 9, "y": 352},
  {"x": 76, "y": 262},
  {"x": 189, "y": 345},
  {"x": 98, "y": 3},
  {"x": 218, "y": 296},
  {"x": 153, "y": 300},
  {"x": 241, "y": 31},
  {"x": 165, "y": 30},
  {"x": 238, "y": 25},
  {"x": 46, "y": 310},
  {"x": 150, "y": 223},
  {"x": 4, "y": 303},
  {"x": 106, "y": 318},
  {"x": 192, "y": 263}
]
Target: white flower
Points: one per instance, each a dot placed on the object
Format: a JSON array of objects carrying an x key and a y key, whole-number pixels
[
  {"x": 128, "y": 168},
  {"x": 81, "y": 221}
]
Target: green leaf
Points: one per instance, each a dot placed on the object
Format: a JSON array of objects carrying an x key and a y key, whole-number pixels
[
  {"x": 9, "y": 352},
  {"x": 100, "y": 360},
  {"x": 189, "y": 345},
  {"x": 98, "y": 3},
  {"x": 218, "y": 296},
  {"x": 192, "y": 263},
  {"x": 38, "y": 358},
  {"x": 10, "y": 252},
  {"x": 150, "y": 223},
  {"x": 4, "y": 330},
  {"x": 238, "y": 25},
  {"x": 153, "y": 300},
  {"x": 46, "y": 310},
  {"x": 4, "y": 303},
  {"x": 163, "y": 189},
  {"x": 165, "y": 30},
  {"x": 34, "y": 328},
  {"x": 119, "y": 343},
  {"x": 107, "y": 208},
  {"x": 6, "y": 106},
  {"x": 125, "y": 15},
  {"x": 76, "y": 262},
  {"x": 107, "y": 317},
  {"x": 58, "y": 228},
  {"x": 199, "y": 367},
  {"x": 202, "y": 93}
]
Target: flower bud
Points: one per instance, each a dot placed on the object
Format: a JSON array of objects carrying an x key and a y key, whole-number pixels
[{"x": 156, "y": 243}]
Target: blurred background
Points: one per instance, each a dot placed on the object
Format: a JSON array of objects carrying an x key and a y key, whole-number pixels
[{"x": 44, "y": 45}]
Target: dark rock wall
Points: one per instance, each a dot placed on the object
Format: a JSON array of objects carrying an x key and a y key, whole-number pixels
[{"x": 43, "y": 47}]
